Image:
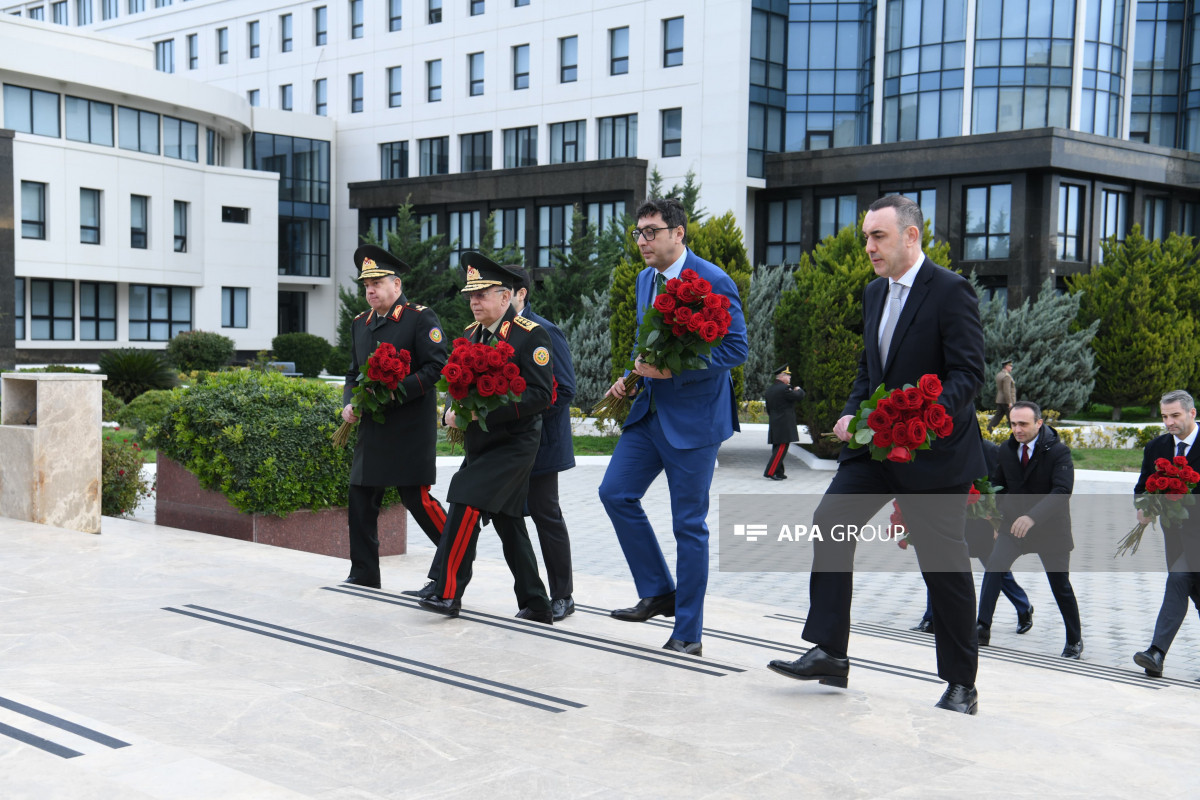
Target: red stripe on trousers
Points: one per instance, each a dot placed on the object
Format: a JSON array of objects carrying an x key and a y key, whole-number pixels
[
  {"x": 775, "y": 461},
  {"x": 433, "y": 508},
  {"x": 458, "y": 549}
]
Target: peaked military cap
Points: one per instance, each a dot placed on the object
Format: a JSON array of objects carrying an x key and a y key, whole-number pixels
[
  {"x": 375, "y": 262},
  {"x": 483, "y": 273},
  {"x": 782, "y": 370}
]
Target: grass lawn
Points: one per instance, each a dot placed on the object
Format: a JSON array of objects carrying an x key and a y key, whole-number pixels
[
  {"x": 584, "y": 446},
  {"x": 1098, "y": 412},
  {"x": 149, "y": 455},
  {"x": 1107, "y": 458}
]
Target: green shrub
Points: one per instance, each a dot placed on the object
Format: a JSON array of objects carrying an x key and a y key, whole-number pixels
[
  {"x": 262, "y": 440},
  {"x": 147, "y": 409},
  {"x": 58, "y": 368},
  {"x": 122, "y": 484},
  {"x": 111, "y": 405},
  {"x": 132, "y": 371},
  {"x": 306, "y": 350},
  {"x": 199, "y": 350},
  {"x": 337, "y": 362}
]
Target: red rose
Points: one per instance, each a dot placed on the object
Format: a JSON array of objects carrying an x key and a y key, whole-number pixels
[
  {"x": 1181, "y": 461},
  {"x": 405, "y": 356},
  {"x": 930, "y": 386},
  {"x": 510, "y": 371},
  {"x": 973, "y": 495},
  {"x": 689, "y": 274},
  {"x": 694, "y": 323},
  {"x": 900, "y": 455},
  {"x": 461, "y": 341},
  {"x": 916, "y": 398},
  {"x": 374, "y": 373},
  {"x": 935, "y": 415},
  {"x": 710, "y": 332},
  {"x": 886, "y": 406},
  {"x": 712, "y": 301},
  {"x": 486, "y": 385},
  {"x": 479, "y": 362},
  {"x": 501, "y": 385},
  {"x": 1190, "y": 475},
  {"x": 882, "y": 438},
  {"x": 678, "y": 330},
  {"x": 1161, "y": 464},
  {"x": 669, "y": 318},
  {"x": 1170, "y": 470},
  {"x": 672, "y": 286},
  {"x": 459, "y": 391},
  {"x": 880, "y": 421},
  {"x": 726, "y": 302},
  {"x": 899, "y": 399},
  {"x": 664, "y": 303},
  {"x": 701, "y": 286},
  {"x": 517, "y": 385},
  {"x": 453, "y": 373},
  {"x": 945, "y": 429},
  {"x": 683, "y": 315},
  {"x": 495, "y": 359},
  {"x": 468, "y": 377},
  {"x": 686, "y": 294},
  {"x": 900, "y": 434},
  {"x": 505, "y": 349},
  {"x": 387, "y": 349},
  {"x": 1152, "y": 484},
  {"x": 918, "y": 432}
]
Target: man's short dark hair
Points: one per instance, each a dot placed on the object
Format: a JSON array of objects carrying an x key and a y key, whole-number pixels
[
  {"x": 907, "y": 211},
  {"x": 524, "y": 280},
  {"x": 1032, "y": 406},
  {"x": 669, "y": 208}
]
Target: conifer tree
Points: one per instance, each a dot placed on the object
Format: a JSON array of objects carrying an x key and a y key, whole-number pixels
[
  {"x": 766, "y": 289},
  {"x": 719, "y": 241},
  {"x": 622, "y": 314},
  {"x": 591, "y": 350}
]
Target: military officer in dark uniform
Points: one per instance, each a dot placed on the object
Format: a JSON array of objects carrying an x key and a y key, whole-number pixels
[
  {"x": 493, "y": 480},
  {"x": 401, "y": 451},
  {"x": 781, "y": 412}
]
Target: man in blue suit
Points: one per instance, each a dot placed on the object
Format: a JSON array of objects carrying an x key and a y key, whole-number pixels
[{"x": 676, "y": 424}]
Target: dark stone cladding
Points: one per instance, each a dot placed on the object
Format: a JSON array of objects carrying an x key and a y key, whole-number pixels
[{"x": 8, "y": 257}]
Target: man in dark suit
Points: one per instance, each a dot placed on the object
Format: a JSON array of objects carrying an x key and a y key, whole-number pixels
[
  {"x": 676, "y": 425},
  {"x": 494, "y": 477},
  {"x": 410, "y": 427},
  {"x": 1182, "y": 541},
  {"x": 920, "y": 320},
  {"x": 781, "y": 402},
  {"x": 556, "y": 454},
  {"x": 1038, "y": 477}
]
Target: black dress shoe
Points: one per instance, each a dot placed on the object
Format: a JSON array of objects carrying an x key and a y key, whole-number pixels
[
  {"x": 355, "y": 581},
  {"x": 1074, "y": 651},
  {"x": 425, "y": 592},
  {"x": 1025, "y": 621},
  {"x": 984, "y": 633},
  {"x": 562, "y": 608},
  {"x": 1151, "y": 660},
  {"x": 680, "y": 646},
  {"x": 536, "y": 616},
  {"x": 438, "y": 605},
  {"x": 815, "y": 665},
  {"x": 963, "y": 699},
  {"x": 924, "y": 626},
  {"x": 647, "y": 607}
]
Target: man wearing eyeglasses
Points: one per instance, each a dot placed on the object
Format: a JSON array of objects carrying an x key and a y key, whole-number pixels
[{"x": 676, "y": 424}]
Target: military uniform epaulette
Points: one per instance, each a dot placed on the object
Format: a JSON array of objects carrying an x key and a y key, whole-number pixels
[
  {"x": 527, "y": 324},
  {"x": 362, "y": 314},
  {"x": 471, "y": 327},
  {"x": 416, "y": 307}
]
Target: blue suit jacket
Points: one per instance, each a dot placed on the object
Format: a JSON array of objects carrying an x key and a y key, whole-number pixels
[
  {"x": 695, "y": 408},
  {"x": 557, "y": 451}
]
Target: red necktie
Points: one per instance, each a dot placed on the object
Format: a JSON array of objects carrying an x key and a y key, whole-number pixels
[{"x": 1024, "y": 455}]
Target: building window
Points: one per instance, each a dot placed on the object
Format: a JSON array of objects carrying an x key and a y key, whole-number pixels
[
  {"x": 1070, "y": 222},
  {"x": 181, "y": 226},
  {"x": 926, "y": 199},
  {"x": 464, "y": 234},
  {"x": 285, "y": 33},
  {"x": 672, "y": 132},
  {"x": 235, "y": 214},
  {"x": 554, "y": 232},
  {"x": 475, "y": 74},
  {"x": 988, "y": 222},
  {"x": 393, "y": 160},
  {"x": 618, "y": 51},
  {"x": 435, "y": 155},
  {"x": 285, "y": 97},
  {"x": 1114, "y": 216},
  {"x": 395, "y": 21},
  {"x": 222, "y": 45},
  {"x": 181, "y": 139},
  {"x": 235, "y": 302},
  {"x": 835, "y": 213},
  {"x": 618, "y": 136},
  {"x": 395, "y": 87},
  {"x": 602, "y": 216},
  {"x": 519, "y": 3},
  {"x": 156, "y": 313},
  {"x": 567, "y": 142},
  {"x": 109, "y": 9},
  {"x": 520, "y": 147},
  {"x": 97, "y": 311},
  {"x": 673, "y": 42},
  {"x": 356, "y": 93},
  {"x": 381, "y": 225},
  {"x": 163, "y": 3},
  {"x": 520, "y": 57},
  {"x": 19, "y": 308},
  {"x": 215, "y": 148},
  {"x": 476, "y": 7},
  {"x": 783, "y": 232},
  {"x": 89, "y": 216},
  {"x": 433, "y": 80},
  {"x": 51, "y": 310},
  {"x": 1154, "y": 218},
  {"x": 475, "y": 151},
  {"x": 136, "y": 6},
  {"x": 568, "y": 59},
  {"x": 193, "y": 50},
  {"x": 164, "y": 55},
  {"x": 435, "y": 11},
  {"x": 58, "y": 12},
  {"x": 139, "y": 221},
  {"x": 429, "y": 226},
  {"x": 37, "y": 13},
  {"x": 83, "y": 12},
  {"x": 320, "y": 25},
  {"x": 31, "y": 111},
  {"x": 253, "y": 48},
  {"x": 356, "y": 19},
  {"x": 320, "y": 97},
  {"x": 33, "y": 210},
  {"x": 89, "y": 121},
  {"x": 137, "y": 130},
  {"x": 510, "y": 229}
]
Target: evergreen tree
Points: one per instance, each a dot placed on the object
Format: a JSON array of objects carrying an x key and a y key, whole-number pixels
[
  {"x": 719, "y": 241},
  {"x": 576, "y": 272},
  {"x": 490, "y": 245},
  {"x": 1052, "y": 366},
  {"x": 766, "y": 289},
  {"x": 1146, "y": 343},
  {"x": 591, "y": 350},
  {"x": 622, "y": 314},
  {"x": 688, "y": 194}
]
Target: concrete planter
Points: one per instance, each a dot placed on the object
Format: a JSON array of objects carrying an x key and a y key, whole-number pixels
[{"x": 181, "y": 502}]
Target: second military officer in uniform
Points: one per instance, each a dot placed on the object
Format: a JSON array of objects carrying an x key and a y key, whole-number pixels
[
  {"x": 493, "y": 480},
  {"x": 399, "y": 452},
  {"x": 781, "y": 402}
]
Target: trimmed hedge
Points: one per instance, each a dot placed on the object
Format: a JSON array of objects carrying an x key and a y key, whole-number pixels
[
  {"x": 308, "y": 352},
  {"x": 199, "y": 350},
  {"x": 111, "y": 405},
  {"x": 147, "y": 410}
]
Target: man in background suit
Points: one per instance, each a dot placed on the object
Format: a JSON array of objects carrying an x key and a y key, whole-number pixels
[
  {"x": 676, "y": 424},
  {"x": 1182, "y": 541},
  {"x": 922, "y": 319},
  {"x": 781, "y": 402},
  {"x": 1006, "y": 394}
]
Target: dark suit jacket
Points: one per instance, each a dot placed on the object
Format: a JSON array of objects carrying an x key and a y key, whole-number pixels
[
  {"x": 401, "y": 451},
  {"x": 1040, "y": 490},
  {"x": 781, "y": 412},
  {"x": 938, "y": 333},
  {"x": 557, "y": 451},
  {"x": 1184, "y": 538}
]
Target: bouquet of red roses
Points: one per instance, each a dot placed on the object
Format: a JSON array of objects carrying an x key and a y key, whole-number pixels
[
  {"x": 896, "y": 424},
  {"x": 378, "y": 387},
  {"x": 479, "y": 378},
  {"x": 1168, "y": 490},
  {"x": 981, "y": 502},
  {"x": 895, "y": 528},
  {"x": 688, "y": 319}
]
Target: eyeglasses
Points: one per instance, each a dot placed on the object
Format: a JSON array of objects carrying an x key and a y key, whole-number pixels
[
  {"x": 482, "y": 293},
  {"x": 648, "y": 232}
]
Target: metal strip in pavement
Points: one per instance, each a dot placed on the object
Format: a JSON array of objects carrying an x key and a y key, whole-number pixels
[
  {"x": 25, "y": 737},
  {"x": 508, "y": 692},
  {"x": 666, "y": 658},
  {"x": 59, "y": 722}
]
